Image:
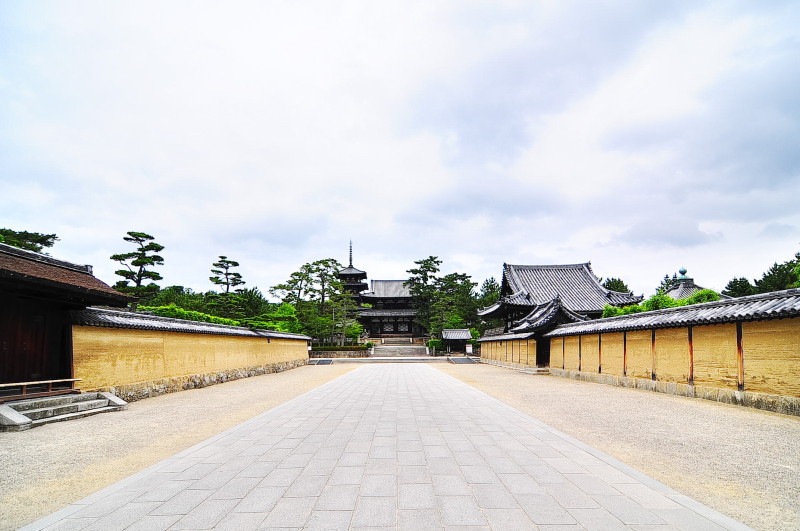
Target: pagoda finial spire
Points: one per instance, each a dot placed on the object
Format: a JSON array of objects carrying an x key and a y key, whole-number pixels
[{"x": 351, "y": 253}]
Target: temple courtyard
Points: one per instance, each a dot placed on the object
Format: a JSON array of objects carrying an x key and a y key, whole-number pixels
[{"x": 407, "y": 446}]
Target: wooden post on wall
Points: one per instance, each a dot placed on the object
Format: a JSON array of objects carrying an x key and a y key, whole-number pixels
[
  {"x": 740, "y": 356},
  {"x": 599, "y": 353},
  {"x": 563, "y": 351},
  {"x": 691, "y": 357},
  {"x": 624, "y": 353},
  {"x": 580, "y": 354},
  {"x": 653, "y": 354}
]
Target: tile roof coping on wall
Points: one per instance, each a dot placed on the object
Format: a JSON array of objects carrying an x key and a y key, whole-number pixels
[
  {"x": 506, "y": 337},
  {"x": 456, "y": 333},
  {"x": 39, "y": 272},
  {"x": 141, "y": 321},
  {"x": 388, "y": 288},
  {"x": 774, "y": 305}
]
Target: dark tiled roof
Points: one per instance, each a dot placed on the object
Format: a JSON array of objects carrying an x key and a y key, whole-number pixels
[
  {"x": 375, "y": 312},
  {"x": 456, "y": 333},
  {"x": 776, "y": 305},
  {"x": 141, "y": 321},
  {"x": 506, "y": 337},
  {"x": 34, "y": 272},
  {"x": 544, "y": 315},
  {"x": 576, "y": 285},
  {"x": 388, "y": 288},
  {"x": 350, "y": 270}
]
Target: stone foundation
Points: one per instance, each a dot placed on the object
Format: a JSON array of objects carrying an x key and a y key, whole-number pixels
[
  {"x": 149, "y": 389},
  {"x": 338, "y": 354},
  {"x": 786, "y": 405}
]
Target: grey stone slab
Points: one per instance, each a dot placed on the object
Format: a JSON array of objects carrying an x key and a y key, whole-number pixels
[
  {"x": 544, "y": 510},
  {"x": 521, "y": 484},
  {"x": 305, "y": 486},
  {"x": 353, "y": 459},
  {"x": 515, "y": 519},
  {"x": 153, "y": 523},
  {"x": 444, "y": 466},
  {"x": 646, "y": 496},
  {"x": 687, "y": 519},
  {"x": 413, "y": 474},
  {"x": 237, "y": 488},
  {"x": 418, "y": 519},
  {"x": 569, "y": 496},
  {"x": 591, "y": 484},
  {"x": 241, "y": 522},
  {"x": 627, "y": 510},
  {"x": 479, "y": 474},
  {"x": 338, "y": 498},
  {"x": 461, "y": 511},
  {"x": 375, "y": 512},
  {"x": 329, "y": 520},
  {"x": 290, "y": 512},
  {"x": 319, "y": 467},
  {"x": 494, "y": 496},
  {"x": 379, "y": 485},
  {"x": 123, "y": 517},
  {"x": 165, "y": 491},
  {"x": 76, "y": 524},
  {"x": 597, "y": 519},
  {"x": 416, "y": 496},
  {"x": 450, "y": 485},
  {"x": 295, "y": 460},
  {"x": 206, "y": 515},
  {"x": 280, "y": 477},
  {"x": 183, "y": 502},
  {"x": 260, "y": 500},
  {"x": 350, "y": 475}
]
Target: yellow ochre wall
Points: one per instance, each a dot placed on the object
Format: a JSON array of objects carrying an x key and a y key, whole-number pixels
[
  {"x": 771, "y": 358},
  {"x": 111, "y": 357},
  {"x": 640, "y": 355},
  {"x": 716, "y": 356},
  {"x": 770, "y": 355},
  {"x": 519, "y": 351},
  {"x": 613, "y": 354},
  {"x": 672, "y": 355}
]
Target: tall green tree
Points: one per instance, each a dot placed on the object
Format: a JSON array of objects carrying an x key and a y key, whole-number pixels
[
  {"x": 778, "y": 277},
  {"x": 666, "y": 283},
  {"x": 324, "y": 309},
  {"x": 138, "y": 265},
  {"x": 224, "y": 275},
  {"x": 30, "y": 241},
  {"x": 422, "y": 285},
  {"x": 739, "y": 287},
  {"x": 616, "y": 284}
]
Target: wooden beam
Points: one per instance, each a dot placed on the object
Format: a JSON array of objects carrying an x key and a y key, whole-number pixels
[{"x": 740, "y": 355}]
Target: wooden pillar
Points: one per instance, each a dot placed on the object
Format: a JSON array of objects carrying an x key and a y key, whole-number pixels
[
  {"x": 580, "y": 354},
  {"x": 740, "y": 356},
  {"x": 624, "y": 353},
  {"x": 600, "y": 353},
  {"x": 653, "y": 354},
  {"x": 691, "y": 357},
  {"x": 563, "y": 351}
]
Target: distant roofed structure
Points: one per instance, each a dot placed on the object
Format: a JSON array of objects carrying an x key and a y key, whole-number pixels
[
  {"x": 352, "y": 278},
  {"x": 684, "y": 287},
  {"x": 527, "y": 287}
]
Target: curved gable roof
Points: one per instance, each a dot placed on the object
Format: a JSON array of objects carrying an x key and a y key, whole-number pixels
[{"x": 575, "y": 284}]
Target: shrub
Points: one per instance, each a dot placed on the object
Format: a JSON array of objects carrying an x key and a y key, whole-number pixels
[
  {"x": 438, "y": 344},
  {"x": 175, "y": 312}
]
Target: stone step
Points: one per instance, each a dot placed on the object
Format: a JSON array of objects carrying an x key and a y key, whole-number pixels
[
  {"x": 51, "y": 401},
  {"x": 65, "y": 409},
  {"x": 26, "y": 414},
  {"x": 72, "y": 416}
]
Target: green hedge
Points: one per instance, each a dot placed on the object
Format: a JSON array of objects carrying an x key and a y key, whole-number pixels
[{"x": 188, "y": 315}]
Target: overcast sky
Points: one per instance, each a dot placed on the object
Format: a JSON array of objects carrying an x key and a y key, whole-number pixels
[{"x": 641, "y": 136}]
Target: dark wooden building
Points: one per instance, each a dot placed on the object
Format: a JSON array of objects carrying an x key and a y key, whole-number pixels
[
  {"x": 37, "y": 293},
  {"x": 534, "y": 299},
  {"x": 391, "y": 312}
]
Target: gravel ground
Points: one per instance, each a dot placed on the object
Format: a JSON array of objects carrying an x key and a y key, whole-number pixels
[
  {"x": 47, "y": 468},
  {"x": 740, "y": 461}
]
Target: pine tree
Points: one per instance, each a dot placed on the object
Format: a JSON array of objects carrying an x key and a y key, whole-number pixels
[{"x": 136, "y": 265}]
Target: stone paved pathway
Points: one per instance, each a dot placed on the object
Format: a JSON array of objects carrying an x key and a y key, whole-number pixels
[{"x": 393, "y": 446}]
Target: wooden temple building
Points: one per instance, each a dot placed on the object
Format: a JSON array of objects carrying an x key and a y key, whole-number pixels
[
  {"x": 386, "y": 310},
  {"x": 534, "y": 299},
  {"x": 37, "y": 294}
]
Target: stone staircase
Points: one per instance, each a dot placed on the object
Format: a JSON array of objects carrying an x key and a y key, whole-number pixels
[
  {"x": 397, "y": 350},
  {"x": 25, "y": 414}
]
